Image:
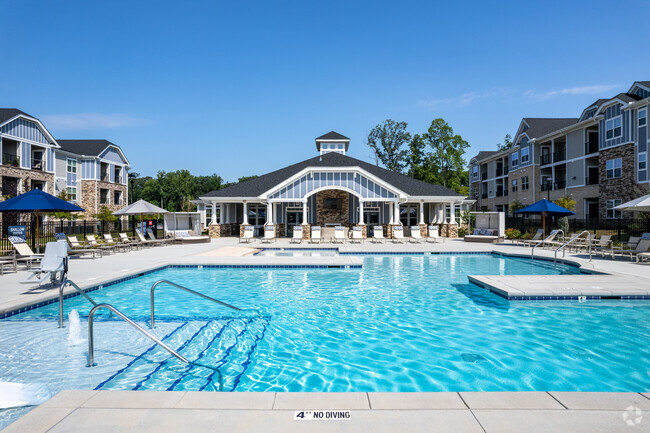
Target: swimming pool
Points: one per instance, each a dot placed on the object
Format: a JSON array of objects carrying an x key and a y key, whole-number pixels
[{"x": 399, "y": 323}]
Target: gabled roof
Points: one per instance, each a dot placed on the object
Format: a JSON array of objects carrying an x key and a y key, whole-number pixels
[
  {"x": 485, "y": 154},
  {"x": 261, "y": 184},
  {"x": 644, "y": 83},
  {"x": 7, "y": 114},
  {"x": 332, "y": 135},
  {"x": 86, "y": 147},
  {"x": 540, "y": 126}
]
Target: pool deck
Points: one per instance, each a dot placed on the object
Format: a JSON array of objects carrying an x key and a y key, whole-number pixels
[
  {"x": 377, "y": 412},
  {"x": 126, "y": 411}
]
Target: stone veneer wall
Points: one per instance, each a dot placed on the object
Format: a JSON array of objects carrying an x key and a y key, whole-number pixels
[
  {"x": 625, "y": 187},
  {"x": 324, "y": 216},
  {"x": 89, "y": 191},
  {"x": 27, "y": 176}
]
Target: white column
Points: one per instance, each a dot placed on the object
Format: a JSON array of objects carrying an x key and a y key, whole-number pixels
[
  {"x": 245, "y": 222},
  {"x": 396, "y": 213},
  {"x": 361, "y": 212},
  {"x": 452, "y": 213},
  {"x": 213, "y": 220},
  {"x": 422, "y": 212},
  {"x": 441, "y": 214},
  {"x": 390, "y": 214},
  {"x": 304, "y": 212},
  {"x": 269, "y": 213}
]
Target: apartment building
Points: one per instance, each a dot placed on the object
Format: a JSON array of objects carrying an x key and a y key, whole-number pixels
[
  {"x": 599, "y": 159},
  {"x": 93, "y": 172}
]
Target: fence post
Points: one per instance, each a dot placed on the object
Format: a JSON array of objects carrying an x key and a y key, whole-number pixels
[
  {"x": 84, "y": 229},
  {"x": 32, "y": 229},
  {"x": 618, "y": 223},
  {"x": 133, "y": 226}
]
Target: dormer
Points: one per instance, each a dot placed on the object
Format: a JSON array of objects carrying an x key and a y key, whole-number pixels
[{"x": 332, "y": 142}]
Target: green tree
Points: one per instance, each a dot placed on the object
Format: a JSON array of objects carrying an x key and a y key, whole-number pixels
[
  {"x": 507, "y": 143},
  {"x": 567, "y": 203},
  {"x": 105, "y": 214},
  {"x": 515, "y": 206},
  {"x": 416, "y": 158},
  {"x": 446, "y": 158},
  {"x": 387, "y": 141},
  {"x": 63, "y": 195}
]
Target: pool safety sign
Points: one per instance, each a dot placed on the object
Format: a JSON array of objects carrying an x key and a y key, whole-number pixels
[{"x": 322, "y": 415}]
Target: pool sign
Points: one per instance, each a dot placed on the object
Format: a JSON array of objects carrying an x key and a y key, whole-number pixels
[
  {"x": 322, "y": 415},
  {"x": 18, "y": 231}
]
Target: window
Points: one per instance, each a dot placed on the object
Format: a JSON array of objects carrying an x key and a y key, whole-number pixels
[
  {"x": 71, "y": 191},
  {"x": 117, "y": 197},
  {"x": 515, "y": 159},
  {"x": 104, "y": 196},
  {"x": 514, "y": 185},
  {"x": 408, "y": 215},
  {"x": 208, "y": 214},
  {"x": 613, "y": 128},
  {"x": 524, "y": 183},
  {"x": 71, "y": 166},
  {"x": 475, "y": 171},
  {"x": 524, "y": 155},
  {"x": 643, "y": 117},
  {"x": 611, "y": 212},
  {"x": 613, "y": 168},
  {"x": 475, "y": 192},
  {"x": 117, "y": 175},
  {"x": 643, "y": 159}
]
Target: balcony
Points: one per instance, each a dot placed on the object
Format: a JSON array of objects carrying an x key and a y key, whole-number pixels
[
  {"x": 483, "y": 176},
  {"x": 560, "y": 155},
  {"x": 499, "y": 172},
  {"x": 499, "y": 192},
  {"x": 591, "y": 180},
  {"x": 591, "y": 148},
  {"x": 10, "y": 159},
  {"x": 560, "y": 184},
  {"x": 484, "y": 195},
  {"x": 547, "y": 186},
  {"x": 38, "y": 164},
  {"x": 545, "y": 159}
]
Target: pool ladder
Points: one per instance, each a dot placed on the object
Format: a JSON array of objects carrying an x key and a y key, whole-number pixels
[
  {"x": 96, "y": 307},
  {"x": 572, "y": 240}
]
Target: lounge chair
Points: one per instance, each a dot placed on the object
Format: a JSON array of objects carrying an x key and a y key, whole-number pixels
[
  {"x": 124, "y": 239},
  {"x": 339, "y": 234},
  {"x": 604, "y": 243},
  {"x": 23, "y": 253},
  {"x": 315, "y": 235},
  {"x": 433, "y": 235},
  {"x": 378, "y": 234},
  {"x": 7, "y": 262},
  {"x": 357, "y": 235},
  {"x": 108, "y": 238},
  {"x": 297, "y": 235},
  {"x": 642, "y": 247},
  {"x": 535, "y": 239},
  {"x": 398, "y": 234},
  {"x": 152, "y": 237},
  {"x": 416, "y": 236},
  {"x": 92, "y": 241},
  {"x": 643, "y": 257},
  {"x": 77, "y": 248},
  {"x": 247, "y": 236},
  {"x": 54, "y": 265},
  {"x": 147, "y": 242},
  {"x": 269, "y": 234},
  {"x": 549, "y": 241}
]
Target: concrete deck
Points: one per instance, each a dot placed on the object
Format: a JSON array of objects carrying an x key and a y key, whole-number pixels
[{"x": 464, "y": 412}]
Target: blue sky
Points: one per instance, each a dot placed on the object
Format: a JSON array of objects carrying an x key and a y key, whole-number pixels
[{"x": 241, "y": 88}]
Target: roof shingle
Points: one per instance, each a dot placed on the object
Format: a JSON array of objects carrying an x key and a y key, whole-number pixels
[{"x": 85, "y": 147}]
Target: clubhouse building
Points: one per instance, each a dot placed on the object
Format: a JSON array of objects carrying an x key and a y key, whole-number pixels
[{"x": 331, "y": 189}]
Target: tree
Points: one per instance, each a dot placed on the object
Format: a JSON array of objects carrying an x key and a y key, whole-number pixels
[
  {"x": 63, "y": 195},
  {"x": 105, "y": 214},
  {"x": 567, "y": 203},
  {"x": 507, "y": 143},
  {"x": 446, "y": 157},
  {"x": 416, "y": 158},
  {"x": 387, "y": 141},
  {"x": 515, "y": 206}
]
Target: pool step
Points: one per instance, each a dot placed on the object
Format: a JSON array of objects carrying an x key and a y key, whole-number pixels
[{"x": 226, "y": 344}]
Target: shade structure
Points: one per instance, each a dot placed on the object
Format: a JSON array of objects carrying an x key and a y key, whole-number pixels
[
  {"x": 37, "y": 201},
  {"x": 641, "y": 204},
  {"x": 140, "y": 207},
  {"x": 544, "y": 208}
]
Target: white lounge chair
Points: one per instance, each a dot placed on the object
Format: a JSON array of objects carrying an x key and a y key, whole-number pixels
[
  {"x": 642, "y": 247},
  {"x": 315, "y": 235},
  {"x": 432, "y": 234},
  {"x": 22, "y": 252},
  {"x": 398, "y": 234},
  {"x": 378, "y": 234},
  {"x": 77, "y": 248},
  {"x": 535, "y": 239},
  {"x": 134, "y": 243},
  {"x": 145, "y": 241},
  {"x": 108, "y": 238},
  {"x": 269, "y": 234},
  {"x": 247, "y": 236},
  {"x": 152, "y": 237},
  {"x": 92, "y": 241},
  {"x": 416, "y": 236},
  {"x": 54, "y": 265},
  {"x": 339, "y": 234},
  {"x": 297, "y": 235},
  {"x": 357, "y": 234}
]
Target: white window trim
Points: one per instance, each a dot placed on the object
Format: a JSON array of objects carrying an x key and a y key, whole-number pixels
[
  {"x": 613, "y": 128},
  {"x": 644, "y": 117},
  {"x": 67, "y": 165},
  {"x": 613, "y": 169},
  {"x": 609, "y": 208},
  {"x": 527, "y": 155}
]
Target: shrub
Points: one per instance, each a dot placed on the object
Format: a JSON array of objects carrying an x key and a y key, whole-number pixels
[
  {"x": 513, "y": 233},
  {"x": 462, "y": 232}
]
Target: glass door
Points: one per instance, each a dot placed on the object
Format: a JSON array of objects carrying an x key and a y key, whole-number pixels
[
  {"x": 371, "y": 218},
  {"x": 294, "y": 218}
]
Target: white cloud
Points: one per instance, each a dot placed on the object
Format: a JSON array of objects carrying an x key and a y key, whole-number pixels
[
  {"x": 463, "y": 100},
  {"x": 580, "y": 90},
  {"x": 89, "y": 121}
]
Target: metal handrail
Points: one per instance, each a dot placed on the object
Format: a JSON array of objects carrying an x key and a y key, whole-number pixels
[
  {"x": 67, "y": 282},
  {"x": 153, "y": 287},
  {"x": 570, "y": 241},
  {"x": 532, "y": 251}
]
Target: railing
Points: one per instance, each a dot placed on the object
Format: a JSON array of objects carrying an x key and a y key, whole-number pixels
[
  {"x": 591, "y": 148},
  {"x": 10, "y": 159},
  {"x": 65, "y": 283},
  {"x": 547, "y": 186},
  {"x": 560, "y": 155},
  {"x": 483, "y": 176},
  {"x": 549, "y": 238},
  {"x": 153, "y": 287},
  {"x": 590, "y": 180},
  {"x": 38, "y": 164},
  {"x": 484, "y": 195},
  {"x": 545, "y": 159},
  {"x": 499, "y": 171},
  {"x": 559, "y": 184},
  {"x": 572, "y": 240}
]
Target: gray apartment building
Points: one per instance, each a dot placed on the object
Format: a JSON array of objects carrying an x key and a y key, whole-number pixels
[{"x": 599, "y": 159}]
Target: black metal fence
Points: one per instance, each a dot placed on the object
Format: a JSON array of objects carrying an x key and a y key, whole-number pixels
[
  {"x": 620, "y": 228},
  {"x": 80, "y": 228}
]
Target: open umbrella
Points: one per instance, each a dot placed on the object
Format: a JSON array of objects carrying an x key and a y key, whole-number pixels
[
  {"x": 140, "y": 207},
  {"x": 544, "y": 208},
  {"x": 37, "y": 201},
  {"x": 641, "y": 204}
]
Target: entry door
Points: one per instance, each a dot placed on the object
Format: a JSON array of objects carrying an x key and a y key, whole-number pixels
[
  {"x": 294, "y": 218},
  {"x": 371, "y": 218}
]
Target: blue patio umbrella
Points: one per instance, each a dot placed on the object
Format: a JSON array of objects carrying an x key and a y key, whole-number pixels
[
  {"x": 37, "y": 201},
  {"x": 544, "y": 208}
]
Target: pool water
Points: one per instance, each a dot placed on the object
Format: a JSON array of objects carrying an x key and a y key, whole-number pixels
[{"x": 400, "y": 323}]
